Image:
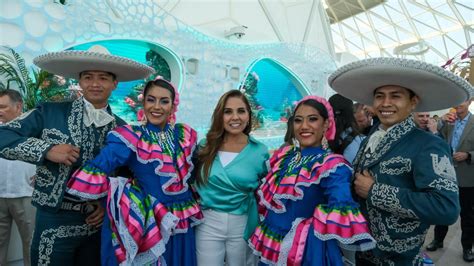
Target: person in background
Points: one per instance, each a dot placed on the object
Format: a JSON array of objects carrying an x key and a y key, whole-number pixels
[
  {"x": 151, "y": 216},
  {"x": 306, "y": 207},
  {"x": 421, "y": 119},
  {"x": 345, "y": 124},
  {"x": 362, "y": 118},
  {"x": 58, "y": 137},
  {"x": 458, "y": 130},
  {"x": 16, "y": 187},
  {"x": 231, "y": 164},
  {"x": 425, "y": 122},
  {"x": 404, "y": 178}
]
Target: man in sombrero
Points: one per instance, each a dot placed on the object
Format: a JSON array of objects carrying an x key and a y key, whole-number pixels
[
  {"x": 58, "y": 138},
  {"x": 403, "y": 176}
]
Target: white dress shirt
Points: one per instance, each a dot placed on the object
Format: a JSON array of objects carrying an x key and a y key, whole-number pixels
[
  {"x": 16, "y": 179},
  {"x": 98, "y": 117},
  {"x": 376, "y": 138}
]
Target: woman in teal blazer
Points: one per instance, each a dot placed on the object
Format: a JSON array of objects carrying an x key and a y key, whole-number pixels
[{"x": 231, "y": 164}]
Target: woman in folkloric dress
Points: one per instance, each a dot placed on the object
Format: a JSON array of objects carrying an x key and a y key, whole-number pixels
[
  {"x": 150, "y": 216},
  {"x": 305, "y": 201}
]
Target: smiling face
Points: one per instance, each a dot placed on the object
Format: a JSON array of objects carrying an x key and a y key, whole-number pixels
[
  {"x": 157, "y": 104},
  {"x": 309, "y": 126},
  {"x": 393, "y": 104},
  {"x": 236, "y": 116},
  {"x": 97, "y": 87}
]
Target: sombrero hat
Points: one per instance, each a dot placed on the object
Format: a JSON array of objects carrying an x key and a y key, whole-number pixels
[
  {"x": 436, "y": 87},
  {"x": 72, "y": 62}
]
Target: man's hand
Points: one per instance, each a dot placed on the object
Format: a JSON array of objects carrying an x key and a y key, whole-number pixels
[
  {"x": 97, "y": 217},
  {"x": 432, "y": 125},
  {"x": 460, "y": 156},
  {"x": 32, "y": 181},
  {"x": 362, "y": 184},
  {"x": 63, "y": 153},
  {"x": 449, "y": 117}
]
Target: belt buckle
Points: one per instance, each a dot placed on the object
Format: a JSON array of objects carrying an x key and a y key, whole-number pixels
[{"x": 76, "y": 207}]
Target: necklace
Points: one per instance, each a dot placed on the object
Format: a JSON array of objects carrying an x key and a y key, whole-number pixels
[{"x": 165, "y": 139}]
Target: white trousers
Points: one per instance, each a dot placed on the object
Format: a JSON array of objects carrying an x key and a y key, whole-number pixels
[{"x": 219, "y": 240}]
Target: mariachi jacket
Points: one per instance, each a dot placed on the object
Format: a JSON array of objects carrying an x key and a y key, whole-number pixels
[
  {"x": 415, "y": 187},
  {"x": 29, "y": 137}
]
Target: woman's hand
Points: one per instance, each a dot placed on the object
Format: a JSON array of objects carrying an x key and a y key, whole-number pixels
[{"x": 97, "y": 216}]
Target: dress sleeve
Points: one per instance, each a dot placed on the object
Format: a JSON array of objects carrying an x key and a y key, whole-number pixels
[
  {"x": 90, "y": 181},
  {"x": 435, "y": 199},
  {"x": 21, "y": 138},
  {"x": 340, "y": 218},
  {"x": 335, "y": 223}
]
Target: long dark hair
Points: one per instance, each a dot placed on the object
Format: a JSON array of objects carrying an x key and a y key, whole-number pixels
[{"x": 215, "y": 135}]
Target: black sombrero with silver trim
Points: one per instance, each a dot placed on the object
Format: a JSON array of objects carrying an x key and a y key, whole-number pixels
[
  {"x": 72, "y": 62},
  {"x": 436, "y": 87}
]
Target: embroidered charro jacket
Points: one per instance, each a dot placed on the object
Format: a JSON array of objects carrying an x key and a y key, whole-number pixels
[
  {"x": 415, "y": 187},
  {"x": 29, "y": 137}
]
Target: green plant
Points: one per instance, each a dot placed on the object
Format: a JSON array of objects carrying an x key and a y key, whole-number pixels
[
  {"x": 44, "y": 87},
  {"x": 13, "y": 70}
]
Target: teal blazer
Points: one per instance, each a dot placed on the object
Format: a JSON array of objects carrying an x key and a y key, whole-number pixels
[{"x": 231, "y": 188}]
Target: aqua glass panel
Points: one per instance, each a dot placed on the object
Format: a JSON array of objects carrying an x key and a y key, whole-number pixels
[{"x": 272, "y": 89}]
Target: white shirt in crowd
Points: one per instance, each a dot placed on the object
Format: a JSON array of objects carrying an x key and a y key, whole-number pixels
[{"x": 16, "y": 179}]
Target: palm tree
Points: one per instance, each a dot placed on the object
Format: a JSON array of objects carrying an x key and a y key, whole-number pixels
[{"x": 13, "y": 71}]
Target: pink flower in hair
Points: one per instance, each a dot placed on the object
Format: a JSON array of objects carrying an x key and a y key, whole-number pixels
[{"x": 140, "y": 115}]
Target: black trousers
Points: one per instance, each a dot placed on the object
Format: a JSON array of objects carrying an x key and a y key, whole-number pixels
[{"x": 466, "y": 199}]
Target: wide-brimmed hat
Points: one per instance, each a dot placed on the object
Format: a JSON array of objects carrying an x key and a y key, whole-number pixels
[
  {"x": 436, "y": 87},
  {"x": 72, "y": 62}
]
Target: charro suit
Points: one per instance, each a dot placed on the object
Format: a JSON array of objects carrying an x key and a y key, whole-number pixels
[
  {"x": 415, "y": 186},
  {"x": 28, "y": 138},
  {"x": 465, "y": 176}
]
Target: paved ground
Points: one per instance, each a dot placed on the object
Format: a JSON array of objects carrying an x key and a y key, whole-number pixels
[{"x": 451, "y": 254}]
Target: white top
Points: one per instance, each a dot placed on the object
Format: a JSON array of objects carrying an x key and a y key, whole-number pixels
[
  {"x": 226, "y": 157},
  {"x": 16, "y": 179},
  {"x": 376, "y": 138},
  {"x": 99, "y": 117}
]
